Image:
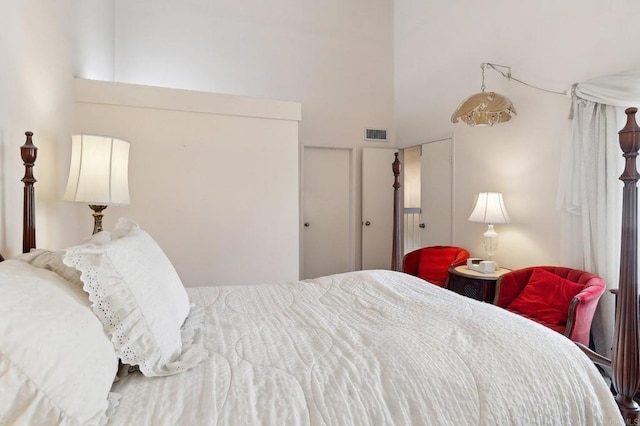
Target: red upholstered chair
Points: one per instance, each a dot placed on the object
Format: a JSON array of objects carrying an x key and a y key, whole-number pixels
[
  {"x": 432, "y": 263},
  {"x": 562, "y": 299}
]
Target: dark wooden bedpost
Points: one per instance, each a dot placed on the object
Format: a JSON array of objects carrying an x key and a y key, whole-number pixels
[
  {"x": 29, "y": 152},
  {"x": 625, "y": 358},
  {"x": 396, "y": 254}
]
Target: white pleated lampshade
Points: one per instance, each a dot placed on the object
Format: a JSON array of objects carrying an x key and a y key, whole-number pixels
[
  {"x": 99, "y": 171},
  {"x": 489, "y": 208}
]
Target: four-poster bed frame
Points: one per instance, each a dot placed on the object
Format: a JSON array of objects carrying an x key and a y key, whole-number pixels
[
  {"x": 624, "y": 363},
  {"x": 29, "y": 153},
  {"x": 625, "y": 360}
]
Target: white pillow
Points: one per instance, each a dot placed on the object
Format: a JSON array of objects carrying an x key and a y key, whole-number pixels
[
  {"x": 52, "y": 261},
  {"x": 138, "y": 296},
  {"x": 56, "y": 362}
]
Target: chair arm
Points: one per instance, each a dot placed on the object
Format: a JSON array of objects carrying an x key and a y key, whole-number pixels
[
  {"x": 461, "y": 258},
  {"x": 581, "y": 311},
  {"x": 410, "y": 262}
]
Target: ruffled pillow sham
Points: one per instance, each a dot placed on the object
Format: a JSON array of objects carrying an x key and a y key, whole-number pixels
[
  {"x": 51, "y": 261},
  {"x": 57, "y": 364},
  {"x": 138, "y": 296}
]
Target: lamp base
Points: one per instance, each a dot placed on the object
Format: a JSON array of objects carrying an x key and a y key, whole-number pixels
[
  {"x": 97, "y": 217},
  {"x": 490, "y": 242}
]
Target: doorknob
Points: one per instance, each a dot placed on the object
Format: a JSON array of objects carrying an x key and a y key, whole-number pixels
[
  {"x": 422, "y": 225},
  {"x": 367, "y": 223},
  {"x": 306, "y": 224}
]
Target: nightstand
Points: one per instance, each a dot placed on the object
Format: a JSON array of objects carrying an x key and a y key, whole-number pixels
[{"x": 473, "y": 284}]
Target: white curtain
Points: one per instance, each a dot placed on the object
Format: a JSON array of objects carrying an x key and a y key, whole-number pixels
[{"x": 590, "y": 193}]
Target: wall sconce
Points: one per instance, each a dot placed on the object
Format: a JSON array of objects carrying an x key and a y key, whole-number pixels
[
  {"x": 489, "y": 108},
  {"x": 489, "y": 209},
  {"x": 485, "y": 108},
  {"x": 99, "y": 174}
]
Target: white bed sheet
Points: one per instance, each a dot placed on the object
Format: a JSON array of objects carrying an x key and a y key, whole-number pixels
[{"x": 369, "y": 348}]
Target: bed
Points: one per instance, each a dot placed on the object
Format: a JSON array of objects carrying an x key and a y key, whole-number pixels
[{"x": 105, "y": 333}]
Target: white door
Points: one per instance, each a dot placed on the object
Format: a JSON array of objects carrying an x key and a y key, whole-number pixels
[
  {"x": 327, "y": 233},
  {"x": 377, "y": 207},
  {"x": 436, "y": 168}
]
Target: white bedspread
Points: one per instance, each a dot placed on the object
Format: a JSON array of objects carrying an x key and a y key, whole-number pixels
[{"x": 369, "y": 348}]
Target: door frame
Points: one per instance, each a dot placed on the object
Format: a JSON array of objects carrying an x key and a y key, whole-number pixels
[
  {"x": 352, "y": 196},
  {"x": 453, "y": 176},
  {"x": 364, "y": 215}
]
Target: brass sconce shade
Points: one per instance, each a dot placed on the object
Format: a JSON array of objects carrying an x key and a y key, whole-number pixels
[{"x": 484, "y": 108}]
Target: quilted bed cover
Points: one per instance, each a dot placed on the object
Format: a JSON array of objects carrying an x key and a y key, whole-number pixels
[{"x": 369, "y": 348}]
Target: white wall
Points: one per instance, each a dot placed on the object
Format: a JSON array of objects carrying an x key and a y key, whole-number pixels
[
  {"x": 335, "y": 57},
  {"x": 94, "y": 43},
  {"x": 213, "y": 178},
  {"x": 36, "y": 94},
  {"x": 439, "y": 47}
]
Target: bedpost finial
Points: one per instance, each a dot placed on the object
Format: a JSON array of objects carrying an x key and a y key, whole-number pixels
[
  {"x": 29, "y": 151},
  {"x": 631, "y": 126},
  {"x": 396, "y": 165},
  {"x": 630, "y": 139}
]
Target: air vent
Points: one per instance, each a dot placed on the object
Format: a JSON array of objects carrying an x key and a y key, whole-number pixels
[{"x": 377, "y": 135}]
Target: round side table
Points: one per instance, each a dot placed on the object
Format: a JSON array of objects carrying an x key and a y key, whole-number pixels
[{"x": 474, "y": 284}]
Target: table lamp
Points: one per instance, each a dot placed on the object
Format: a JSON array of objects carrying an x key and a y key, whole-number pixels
[
  {"x": 98, "y": 174},
  {"x": 489, "y": 209}
]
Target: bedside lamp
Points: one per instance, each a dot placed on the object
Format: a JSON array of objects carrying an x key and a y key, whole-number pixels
[
  {"x": 490, "y": 209},
  {"x": 98, "y": 174}
]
